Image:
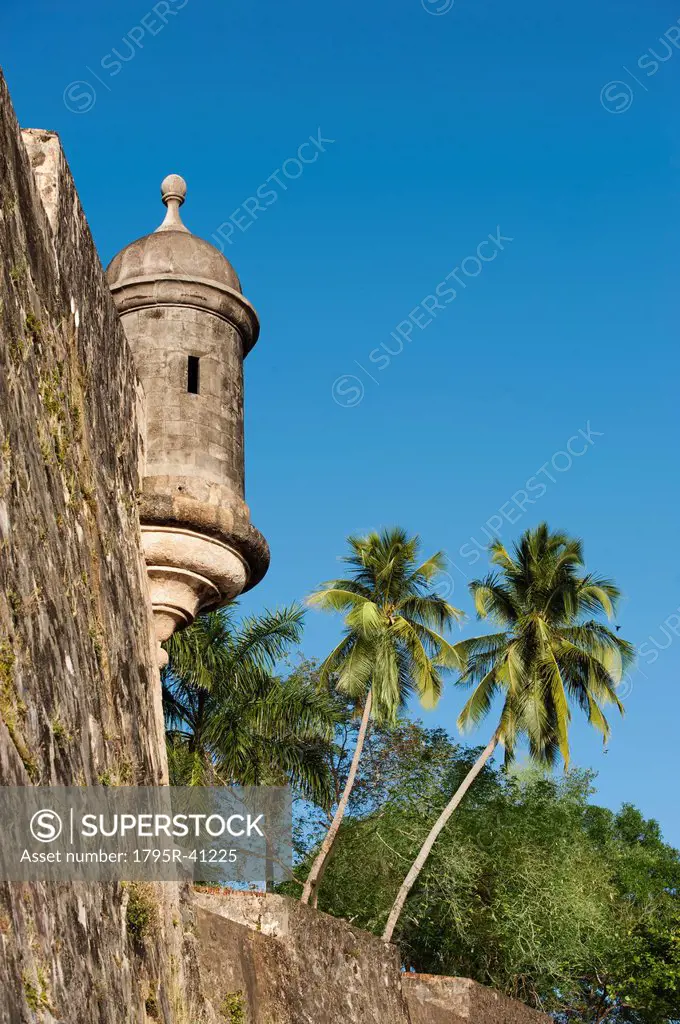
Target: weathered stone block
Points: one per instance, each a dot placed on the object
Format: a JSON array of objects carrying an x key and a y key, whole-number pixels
[{"x": 432, "y": 999}]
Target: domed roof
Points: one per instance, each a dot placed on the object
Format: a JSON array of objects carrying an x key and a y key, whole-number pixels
[{"x": 171, "y": 251}]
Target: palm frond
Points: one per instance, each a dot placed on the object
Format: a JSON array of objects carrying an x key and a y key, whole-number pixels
[
  {"x": 430, "y": 609},
  {"x": 422, "y": 667},
  {"x": 262, "y": 640},
  {"x": 428, "y": 570},
  {"x": 479, "y": 703},
  {"x": 493, "y": 599}
]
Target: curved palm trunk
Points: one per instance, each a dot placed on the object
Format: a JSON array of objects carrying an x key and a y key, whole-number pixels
[
  {"x": 318, "y": 867},
  {"x": 439, "y": 824}
]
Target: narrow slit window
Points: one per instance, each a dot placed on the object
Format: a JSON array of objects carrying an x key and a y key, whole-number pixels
[{"x": 193, "y": 375}]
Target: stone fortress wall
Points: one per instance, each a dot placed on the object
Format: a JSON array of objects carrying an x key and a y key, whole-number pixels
[
  {"x": 79, "y": 686},
  {"x": 79, "y": 683}
]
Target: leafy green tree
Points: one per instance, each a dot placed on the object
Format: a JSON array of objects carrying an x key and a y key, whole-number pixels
[
  {"x": 531, "y": 889},
  {"x": 393, "y": 643},
  {"x": 230, "y": 719},
  {"x": 549, "y": 652},
  {"x": 639, "y": 983}
]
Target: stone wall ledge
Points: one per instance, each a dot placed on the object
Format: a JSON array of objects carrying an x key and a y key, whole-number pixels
[{"x": 281, "y": 962}]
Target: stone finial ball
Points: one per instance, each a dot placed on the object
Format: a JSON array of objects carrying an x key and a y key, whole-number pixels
[{"x": 173, "y": 187}]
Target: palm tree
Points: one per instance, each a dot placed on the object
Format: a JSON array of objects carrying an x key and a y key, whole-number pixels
[
  {"x": 392, "y": 644},
  {"x": 230, "y": 720},
  {"x": 549, "y": 652}
]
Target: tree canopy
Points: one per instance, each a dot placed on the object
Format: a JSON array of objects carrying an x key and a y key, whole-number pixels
[
  {"x": 230, "y": 719},
  {"x": 550, "y": 651},
  {"x": 531, "y": 889},
  {"x": 393, "y": 643}
]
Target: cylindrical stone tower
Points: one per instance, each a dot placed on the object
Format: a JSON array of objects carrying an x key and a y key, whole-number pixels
[{"x": 190, "y": 329}]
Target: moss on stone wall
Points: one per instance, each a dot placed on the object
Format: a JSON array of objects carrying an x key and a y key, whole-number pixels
[
  {"x": 234, "y": 1008},
  {"x": 141, "y": 912}
]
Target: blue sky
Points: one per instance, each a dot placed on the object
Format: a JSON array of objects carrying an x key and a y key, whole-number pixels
[{"x": 555, "y": 125}]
